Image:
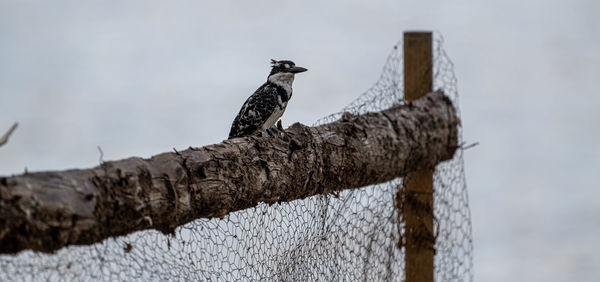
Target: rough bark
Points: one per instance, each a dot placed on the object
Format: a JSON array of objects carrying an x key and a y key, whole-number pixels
[{"x": 45, "y": 211}]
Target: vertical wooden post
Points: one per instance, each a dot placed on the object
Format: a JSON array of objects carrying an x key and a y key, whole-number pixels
[{"x": 417, "y": 189}]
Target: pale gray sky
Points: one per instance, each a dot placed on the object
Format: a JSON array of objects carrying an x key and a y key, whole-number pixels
[{"x": 141, "y": 77}]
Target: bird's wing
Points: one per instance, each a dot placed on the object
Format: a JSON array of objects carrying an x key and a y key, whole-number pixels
[{"x": 255, "y": 112}]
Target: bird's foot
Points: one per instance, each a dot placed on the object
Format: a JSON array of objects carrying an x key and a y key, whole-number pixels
[
  {"x": 272, "y": 132},
  {"x": 269, "y": 132},
  {"x": 276, "y": 132}
]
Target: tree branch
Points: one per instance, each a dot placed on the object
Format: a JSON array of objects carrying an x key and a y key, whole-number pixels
[
  {"x": 6, "y": 135},
  {"x": 45, "y": 211}
]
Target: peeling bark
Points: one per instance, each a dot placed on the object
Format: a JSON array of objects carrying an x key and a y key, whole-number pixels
[{"x": 46, "y": 211}]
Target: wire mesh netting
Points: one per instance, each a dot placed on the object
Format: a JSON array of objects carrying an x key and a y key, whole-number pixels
[{"x": 351, "y": 236}]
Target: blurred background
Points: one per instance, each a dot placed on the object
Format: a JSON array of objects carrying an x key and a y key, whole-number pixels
[{"x": 138, "y": 78}]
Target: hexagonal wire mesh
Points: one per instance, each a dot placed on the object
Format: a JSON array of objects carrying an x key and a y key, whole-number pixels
[{"x": 350, "y": 237}]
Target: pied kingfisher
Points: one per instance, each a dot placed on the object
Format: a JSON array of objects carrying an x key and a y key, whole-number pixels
[{"x": 267, "y": 104}]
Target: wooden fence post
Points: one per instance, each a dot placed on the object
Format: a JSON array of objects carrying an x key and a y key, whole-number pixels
[{"x": 416, "y": 193}]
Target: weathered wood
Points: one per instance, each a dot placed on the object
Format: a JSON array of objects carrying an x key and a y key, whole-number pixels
[
  {"x": 45, "y": 211},
  {"x": 415, "y": 196}
]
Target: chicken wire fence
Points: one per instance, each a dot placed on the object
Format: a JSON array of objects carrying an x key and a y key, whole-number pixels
[{"x": 351, "y": 236}]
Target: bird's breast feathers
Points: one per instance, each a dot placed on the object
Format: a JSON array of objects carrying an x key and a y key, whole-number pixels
[
  {"x": 283, "y": 80},
  {"x": 277, "y": 113}
]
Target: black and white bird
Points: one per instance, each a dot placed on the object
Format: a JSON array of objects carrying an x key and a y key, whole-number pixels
[{"x": 263, "y": 108}]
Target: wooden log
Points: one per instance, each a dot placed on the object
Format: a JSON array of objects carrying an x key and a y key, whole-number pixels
[{"x": 45, "y": 211}]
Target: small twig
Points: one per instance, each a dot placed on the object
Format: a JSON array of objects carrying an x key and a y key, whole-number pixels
[
  {"x": 4, "y": 138},
  {"x": 101, "y": 158},
  {"x": 465, "y": 147}
]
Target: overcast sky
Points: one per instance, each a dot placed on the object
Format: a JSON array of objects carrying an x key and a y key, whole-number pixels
[{"x": 141, "y": 77}]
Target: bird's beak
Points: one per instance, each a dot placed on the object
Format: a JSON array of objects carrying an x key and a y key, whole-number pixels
[{"x": 297, "y": 69}]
